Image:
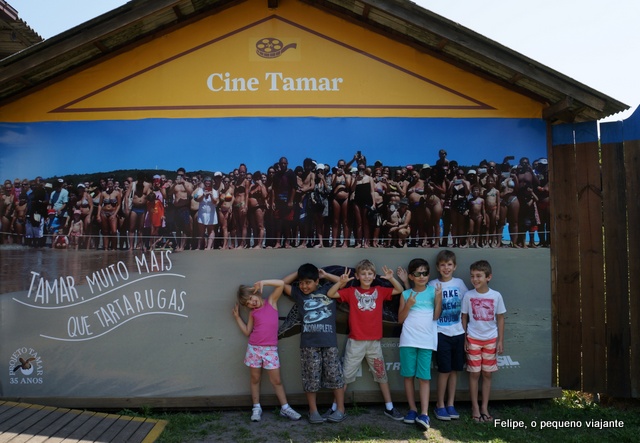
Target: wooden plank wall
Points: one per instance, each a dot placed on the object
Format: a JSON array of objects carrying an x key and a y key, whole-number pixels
[
  {"x": 591, "y": 255},
  {"x": 632, "y": 164},
  {"x": 617, "y": 287},
  {"x": 595, "y": 203},
  {"x": 620, "y": 146}
]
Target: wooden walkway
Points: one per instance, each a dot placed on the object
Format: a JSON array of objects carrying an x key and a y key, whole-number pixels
[{"x": 23, "y": 422}]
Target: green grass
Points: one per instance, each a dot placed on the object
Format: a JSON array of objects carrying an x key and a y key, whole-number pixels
[
  {"x": 183, "y": 426},
  {"x": 565, "y": 419}
]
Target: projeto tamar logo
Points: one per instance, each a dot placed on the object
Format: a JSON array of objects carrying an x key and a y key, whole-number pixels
[{"x": 25, "y": 367}]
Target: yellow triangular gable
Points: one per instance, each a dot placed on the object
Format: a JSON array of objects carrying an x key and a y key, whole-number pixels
[
  {"x": 250, "y": 61},
  {"x": 271, "y": 64}
]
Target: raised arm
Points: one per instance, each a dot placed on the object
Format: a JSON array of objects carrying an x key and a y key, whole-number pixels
[
  {"x": 403, "y": 276},
  {"x": 277, "y": 292},
  {"x": 326, "y": 276},
  {"x": 288, "y": 280},
  {"x": 388, "y": 275},
  {"x": 344, "y": 279}
]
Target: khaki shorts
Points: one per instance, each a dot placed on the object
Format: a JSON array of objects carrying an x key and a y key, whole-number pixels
[{"x": 356, "y": 351}]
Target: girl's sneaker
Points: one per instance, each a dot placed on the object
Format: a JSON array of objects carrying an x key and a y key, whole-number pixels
[
  {"x": 411, "y": 416},
  {"x": 423, "y": 420},
  {"x": 290, "y": 414},
  {"x": 256, "y": 414}
]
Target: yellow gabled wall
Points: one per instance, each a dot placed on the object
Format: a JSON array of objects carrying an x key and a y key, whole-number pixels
[{"x": 192, "y": 73}]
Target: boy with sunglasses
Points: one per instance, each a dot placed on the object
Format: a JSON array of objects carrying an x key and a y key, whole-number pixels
[{"x": 420, "y": 307}]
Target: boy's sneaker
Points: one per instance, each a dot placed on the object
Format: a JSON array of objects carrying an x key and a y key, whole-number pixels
[
  {"x": 315, "y": 418},
  {"x": 393, "y": 414},
  {"x": 443, "y": 414},
  {"x": 337, "y": 416},
  {"x": 453, "y": 413},
  {"x": 290, "y": 414},
  {"x": 256, "y": 414},
  {"x": 423, "y": 420},
  {"x": 410, "y": 417},
  {"x": 327, "y": 414}
]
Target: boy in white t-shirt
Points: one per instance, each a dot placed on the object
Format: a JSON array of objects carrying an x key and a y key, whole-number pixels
[
  {"x": 483, "y": 320},
  {"x": 450, "y": 356}
]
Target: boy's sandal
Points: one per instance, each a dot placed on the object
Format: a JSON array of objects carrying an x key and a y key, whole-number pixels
[{"x": 486, "y": 418}]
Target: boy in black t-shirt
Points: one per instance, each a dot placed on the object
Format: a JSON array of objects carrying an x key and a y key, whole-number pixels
[{"x": 319, "y": 357}]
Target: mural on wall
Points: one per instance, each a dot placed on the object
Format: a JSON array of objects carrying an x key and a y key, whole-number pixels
[{"x": 244, "y": 86}]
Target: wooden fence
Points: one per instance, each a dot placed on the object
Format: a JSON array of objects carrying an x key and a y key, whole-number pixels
[{"x": 595, "y": 256}]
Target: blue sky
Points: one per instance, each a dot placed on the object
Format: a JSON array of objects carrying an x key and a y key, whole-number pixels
[{"x": 61, "y": 148}]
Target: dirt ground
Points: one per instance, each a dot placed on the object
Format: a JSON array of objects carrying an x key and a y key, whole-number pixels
[{"x": 366, "y": 423}]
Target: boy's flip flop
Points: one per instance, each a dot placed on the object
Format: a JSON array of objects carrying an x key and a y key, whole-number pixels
[{"x": 486, "y": 418}]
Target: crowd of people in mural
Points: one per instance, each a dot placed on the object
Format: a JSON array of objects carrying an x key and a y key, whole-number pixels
[{"x": 352, "y": 204}]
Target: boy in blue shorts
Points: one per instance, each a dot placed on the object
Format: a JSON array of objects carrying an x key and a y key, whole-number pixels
[
  {"x": 450, "y": 357},
  {"x": 419, "y": 310},
  {"x": 483, "y": 319}
]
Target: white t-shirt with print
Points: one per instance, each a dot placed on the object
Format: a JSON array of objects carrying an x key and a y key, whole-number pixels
[{"x": 482, "y": 310}]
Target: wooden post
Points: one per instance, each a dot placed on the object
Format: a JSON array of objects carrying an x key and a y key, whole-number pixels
[
  {"x": 631, "y": 133},
  {"x": 564, "y": 246},
  {"x": 592, "y": 301},
  {"x": 614, "y": 183}
]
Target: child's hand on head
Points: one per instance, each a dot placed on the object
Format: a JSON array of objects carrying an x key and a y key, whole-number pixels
[
  {"x": 387, "y": 273},
  {"x": 321, "y": 273},
  {"x": 258, "y": 287}
]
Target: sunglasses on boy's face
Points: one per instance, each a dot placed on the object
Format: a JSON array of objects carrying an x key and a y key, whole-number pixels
[{"x": 420, "y": 274}]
